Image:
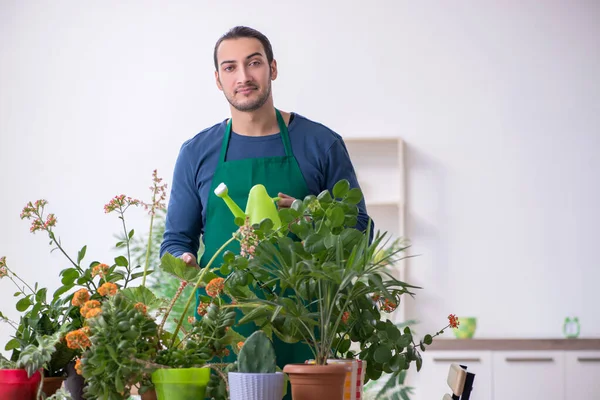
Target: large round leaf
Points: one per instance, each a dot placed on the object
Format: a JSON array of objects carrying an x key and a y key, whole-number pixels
[{"x": 382, "y": 354}]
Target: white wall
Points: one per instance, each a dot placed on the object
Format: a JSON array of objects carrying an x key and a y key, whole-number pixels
[{"x": 498, "y": 102}]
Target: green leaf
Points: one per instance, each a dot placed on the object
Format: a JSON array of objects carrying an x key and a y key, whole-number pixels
[
  {"x": 121, "y": 261},
  {"x": 325, "y": 196},
  {"x": 178, "y": 268},
  {"x": 341, "y": 188},
  {"x": 228, "y": 256},
  {"x": 12, "y": 344},
  {"x": 61, "y": 290},
  {"x": 297, "y": 205},
  {"x": 336, "y": 216},
  {"x": 428, "y": 339},
  {"x": 141, "y": 294},
  {"x": 344, "y": 346},
  {"x": 314, "y": 243},
  {"x": 23, "y": 304},
  {"x": 140, "y": 274},
  {"x": 382, "y": 354},
  {"x": 286, "y": 216},
  {"x": 18, "y": 294},
  {"x": 393, "y": 333},
  {"x": 130, "y": 234},
  {"x": 239, "y": 221},
  {"x": 69, "y": 275},
  {"x": 419, "y": 360},
  {"x": 225, "y": 269},
  {"x": 372, "y": 372},
  {"x": 40, "y": 297},
  {"x": 266, "y": 225},
  {"x": 354, "y": 196},
  {"x": 81, "y": 254}
]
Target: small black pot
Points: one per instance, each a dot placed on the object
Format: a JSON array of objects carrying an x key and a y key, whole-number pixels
[{"x": 74, "y": 382}]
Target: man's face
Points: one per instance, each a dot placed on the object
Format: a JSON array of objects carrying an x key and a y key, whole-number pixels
[{"x": 244, "y": 74}]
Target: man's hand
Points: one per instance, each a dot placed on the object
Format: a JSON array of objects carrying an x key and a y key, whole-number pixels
[
  {"x": 285, "y": 201},
  {"x": 190, "y": 260}
]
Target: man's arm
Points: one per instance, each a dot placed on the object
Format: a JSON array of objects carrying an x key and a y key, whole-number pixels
[{"x": 184, "y": 213}]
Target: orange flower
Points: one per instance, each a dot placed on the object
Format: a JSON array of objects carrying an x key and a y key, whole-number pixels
[
  {"x": 108, "y": 289},
  {"x": 93, "y": 312},
  {"x": 80, "y": 297},
  {"x": 202, "y": 308},
  {"x": 240, "y": 345},
  {"x": 345, "y": 317},
  {"x": 88, "y": 306},
  {"x": 388, "y": 306},
  {"x": 191, "y": 320},
  {"x": 100, "y": 270},
  {"x": 78, "y": 367},
  {"x": 215, "y": 287},
  {"x": 453, "y": 321},
  {"x": 78, "y": 340},
  {"x": 141, "y": 307}
]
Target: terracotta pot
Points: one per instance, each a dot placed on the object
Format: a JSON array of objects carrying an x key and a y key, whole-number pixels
[
  {"x": 149, "y": 395},
  {"x": 51, "y": 385},
  {"x": 316, "y": 382}
]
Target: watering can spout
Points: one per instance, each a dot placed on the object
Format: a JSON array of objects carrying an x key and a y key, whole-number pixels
[{"x": 222, "y": 192}]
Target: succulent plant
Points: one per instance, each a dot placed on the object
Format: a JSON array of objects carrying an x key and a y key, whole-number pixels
[{"x": 257, "y": 355}]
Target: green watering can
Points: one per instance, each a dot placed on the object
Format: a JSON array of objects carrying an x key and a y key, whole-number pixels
[{"x": 259, "y": 206}]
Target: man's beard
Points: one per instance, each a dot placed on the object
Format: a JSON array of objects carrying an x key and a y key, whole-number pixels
[{"x": 252, "y": 106}]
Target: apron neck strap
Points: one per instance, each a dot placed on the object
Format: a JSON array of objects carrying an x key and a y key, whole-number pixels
[{"x": 285, "y": 137}]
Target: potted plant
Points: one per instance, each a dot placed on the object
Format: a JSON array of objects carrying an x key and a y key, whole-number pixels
[
  {"x": 328, "y": 288},
  {"x": 119, "y": 330},
  {"x": 22, "y": 379},
  {"x": 254, "y": 376},
  {"x": 40, "y": 317}
]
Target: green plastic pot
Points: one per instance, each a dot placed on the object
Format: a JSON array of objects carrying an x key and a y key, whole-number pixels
[{"x": 181, "y": 383}]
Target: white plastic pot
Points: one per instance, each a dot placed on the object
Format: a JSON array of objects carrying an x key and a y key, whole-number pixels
[{"x": 246, "y": 386}]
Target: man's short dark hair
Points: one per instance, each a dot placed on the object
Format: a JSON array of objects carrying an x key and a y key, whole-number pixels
[{"x": 245, "y": 32}]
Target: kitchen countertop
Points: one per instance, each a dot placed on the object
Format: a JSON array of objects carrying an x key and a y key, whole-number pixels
[{"x": 513, "y": 344}]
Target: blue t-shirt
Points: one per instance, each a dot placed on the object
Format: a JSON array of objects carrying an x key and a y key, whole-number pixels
[{"x": 321, "y": 154}]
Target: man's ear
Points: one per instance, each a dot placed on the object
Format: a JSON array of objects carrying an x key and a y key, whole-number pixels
[
  {"x": 273, "y": 70},
  {"x": 218, "y": 81}
]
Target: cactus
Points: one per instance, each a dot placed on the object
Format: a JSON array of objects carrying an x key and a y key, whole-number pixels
[{"x": 257, "y": 355}]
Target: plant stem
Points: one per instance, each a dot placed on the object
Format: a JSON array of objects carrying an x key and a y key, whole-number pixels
[
  {"x": 128, "y": 250},
  {"x": 149, "y": 244},
  {"x": 77, "y": 267},
  {"x": 193, "y": 294},
  {"x": 24, "y": 283},
  {"x": 171, "y": 305}
]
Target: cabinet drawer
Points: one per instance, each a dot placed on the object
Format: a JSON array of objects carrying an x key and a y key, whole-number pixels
[
  {"x": 430, "y": 382},
  {"x": 582, "y": 375},
  {"x": 526, "y": 375}
]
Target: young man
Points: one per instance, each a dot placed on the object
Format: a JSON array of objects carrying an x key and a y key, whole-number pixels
[{"x": 287, "y": 152}]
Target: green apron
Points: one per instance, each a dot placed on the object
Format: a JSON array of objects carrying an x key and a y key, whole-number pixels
[{"x": 277, "y": 174}]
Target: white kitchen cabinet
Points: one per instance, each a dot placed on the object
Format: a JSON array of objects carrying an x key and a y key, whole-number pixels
[
  {"x": 430, "y": 382},
  {"x": 526, "y": 375},
  {"x": 582, "y": 375}
]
